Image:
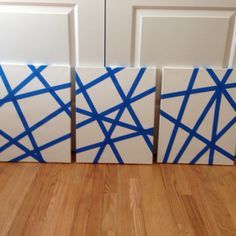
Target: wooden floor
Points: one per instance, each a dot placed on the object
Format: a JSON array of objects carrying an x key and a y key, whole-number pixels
[{"x": 62, "y": 199}]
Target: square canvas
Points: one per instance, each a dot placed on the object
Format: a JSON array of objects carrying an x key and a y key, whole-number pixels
[
  {"x": 197, "y": 117},
  {"x": 35, "y": 114},
  {"x": 115, "y": 115}
]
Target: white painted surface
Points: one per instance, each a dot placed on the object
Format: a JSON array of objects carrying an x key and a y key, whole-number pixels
[
  {"x": 40, "y": 115},
  {"x": 170, "y": 33},
  {"x": 52, "y": 32},
  {"x": 104, "y": 95},
  {"x": 175, "y": 81}
]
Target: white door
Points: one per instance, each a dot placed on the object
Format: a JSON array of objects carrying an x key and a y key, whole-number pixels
[
  {"x": 52, "y": 31},
  {"x": 169, "y": 32}
]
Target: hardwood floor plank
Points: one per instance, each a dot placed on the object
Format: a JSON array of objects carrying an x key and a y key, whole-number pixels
[
  {"x": 125, "y": 224},
  {"x": 207, "y": 190},
  {"x": 33, "y": 209},
  {"x": 83, "y": 207},
  {"x": 174, "y": 200},
  {"x": 110, "y": 200},
  {"x": 15, "y": 181},
  {"x": 137, "y": 208},
  {"x": 194, "y": 215},
  {"x": 156, "y": 207}
]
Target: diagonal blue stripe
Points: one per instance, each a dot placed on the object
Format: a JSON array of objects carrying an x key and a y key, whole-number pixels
[
  {"x": 196, "y": 91},
  {"x": 221, "y": 87},
  {"x": 180, "y": 115},
  {"x": 214, "y": 129},
  {"x": 36, "y": 93}
]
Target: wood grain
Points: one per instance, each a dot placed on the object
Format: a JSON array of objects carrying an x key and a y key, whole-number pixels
[{"x": 109, "y": 200}]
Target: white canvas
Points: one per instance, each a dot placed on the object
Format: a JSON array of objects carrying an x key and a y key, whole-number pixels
[
  {"x": 35, "y": 115},
  {"x": 115, "y": 115},
  {"x": 197, "y": 118}
]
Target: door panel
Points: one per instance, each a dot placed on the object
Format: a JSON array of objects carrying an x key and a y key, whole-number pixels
[
  {"x": 172, "y": 33},
  {"x": 35, "y": 34},
  {"x": 52, "y": 32},
  {"x": 181, "y": 37}
]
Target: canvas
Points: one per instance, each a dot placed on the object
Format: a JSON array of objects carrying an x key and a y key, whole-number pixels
[
  {"x": 115, "y": 115},
  {"x": 197, "y": 117},
  {"x": 35, "y": 115}
]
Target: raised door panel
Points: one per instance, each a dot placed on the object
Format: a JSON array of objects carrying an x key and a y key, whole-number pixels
[
  {"x": 179, "y": 37},
  {"x": 52, "y": 32},
  {"x": 170, "y": 33}
]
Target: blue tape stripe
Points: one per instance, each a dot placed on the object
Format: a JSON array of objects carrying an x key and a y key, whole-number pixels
[
  {"x": 226, "y": 128},
  {"x": 180, "y": 115},
  {"x": 196, "y": 91},
  {"x": 215, "y": 126},
  {"x": 89, "y": 147},
  {"x": 36, "y": 93},
  {"x": 199, "y": 155},
  {"x": 142, "y": 95}
]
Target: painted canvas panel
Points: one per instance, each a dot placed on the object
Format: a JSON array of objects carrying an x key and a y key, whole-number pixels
[
  {"x": 198, "y": 116},
  {"x": 115, "y": 115},
  {"x": 35, "y": 114}
]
